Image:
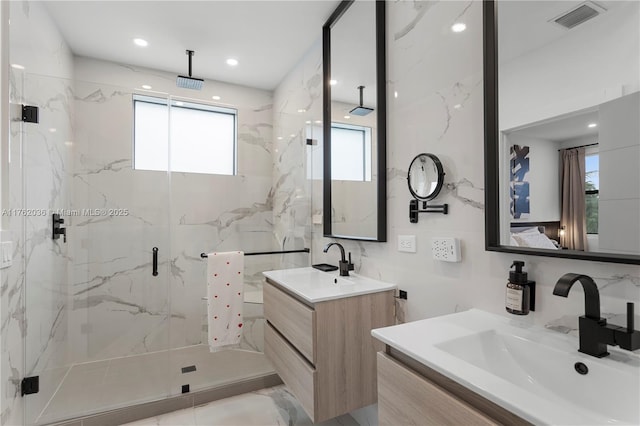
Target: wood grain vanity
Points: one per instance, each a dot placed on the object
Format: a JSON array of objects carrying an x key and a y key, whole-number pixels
[
  {"x": 324, "y": 351},
  {"x": 410, "y": 393}
]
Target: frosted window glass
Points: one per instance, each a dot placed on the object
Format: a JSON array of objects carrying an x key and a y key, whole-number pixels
[
  {"x": 202, "y": 141},
  {"x": 202, "y": 137},
  {"x": 350, "y": 155},
  {"x": 151, "y": 136}
]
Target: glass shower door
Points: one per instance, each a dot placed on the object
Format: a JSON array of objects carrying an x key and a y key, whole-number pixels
[{"x": 96, "y": 301}]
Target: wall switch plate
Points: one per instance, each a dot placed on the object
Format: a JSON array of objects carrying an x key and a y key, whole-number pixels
[
  {"x": 446, "y": 249},
  {"x": 407, "y": 243},
  {"x": 6, "y": 254}
]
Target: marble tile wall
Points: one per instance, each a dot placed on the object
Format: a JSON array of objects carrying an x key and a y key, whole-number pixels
[
  {"x": 183, "y": 214},
  {"x": 435, "y": 104},
  {"x": 297, "y": 117}
]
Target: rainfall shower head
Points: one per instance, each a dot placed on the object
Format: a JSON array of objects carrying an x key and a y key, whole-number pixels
[
  {"x": 361, "y": 110},
  {"x": 189, "y": 82}
]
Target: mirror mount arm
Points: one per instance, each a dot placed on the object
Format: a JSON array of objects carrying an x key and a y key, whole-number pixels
[{"x": 415, "y": 210}]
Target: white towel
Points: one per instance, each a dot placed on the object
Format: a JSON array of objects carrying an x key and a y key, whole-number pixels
[{"x": 225, "y": 278}]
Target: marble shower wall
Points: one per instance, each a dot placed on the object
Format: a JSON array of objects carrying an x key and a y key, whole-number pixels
[
  {"x": 36, "y": 285},
  {"x": 183, "y": 214},
  {"x": 435, "y": 104},
  {"x": 297, "y": 116}
]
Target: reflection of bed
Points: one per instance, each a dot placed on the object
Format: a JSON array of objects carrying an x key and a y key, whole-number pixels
[{"x": 535, "y": 234}]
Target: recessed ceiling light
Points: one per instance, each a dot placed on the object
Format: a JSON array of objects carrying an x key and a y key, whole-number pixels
[
  {"x": 347, "y": 117},
  {"x": 592, "y": 125},
  {"x": 302, "y": 110},
  {"x": 232, "y": 62},
  {"x": 17, "y": 66},
  {"x": 457, "y": 106},
  {"x": 318, "y": 121},
  {"x": 179, "y": 103},
  {"x": 53, "y": 130},
  {"x": 279, "y": 138},
  {"x": 216, "y": 98},
  {"x": 140, "y": 42},
  {"x": 395, "y": 94},
  {"x": 146, "y": 87},
  {"x": 333, "y": 82},
  {"x": 308, "y": 122},
  {"x": 292, "y": 135},
  {"x": 458, "y": 27},
  {"x": 68, "y": 143}
]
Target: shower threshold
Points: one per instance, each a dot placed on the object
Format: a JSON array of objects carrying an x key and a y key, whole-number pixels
[{"x": 140, "y": 386}]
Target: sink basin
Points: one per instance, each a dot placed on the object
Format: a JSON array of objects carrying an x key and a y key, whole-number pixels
[
  {"x": 545, "y": 370},
  {"x": 528, "y": 370},
  {"x": 315, "y": 286}
]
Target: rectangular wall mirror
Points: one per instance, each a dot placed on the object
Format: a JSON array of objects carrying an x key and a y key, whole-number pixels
[
  {"x": 562, "y": 134},
  {"x": 354, "y": 122}
]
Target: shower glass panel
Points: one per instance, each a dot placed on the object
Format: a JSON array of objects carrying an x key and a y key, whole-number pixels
[{"x": 97, "y": 317}]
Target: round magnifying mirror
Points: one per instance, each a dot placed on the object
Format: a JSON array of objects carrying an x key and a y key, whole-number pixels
[{"x": 425, "y": 177}]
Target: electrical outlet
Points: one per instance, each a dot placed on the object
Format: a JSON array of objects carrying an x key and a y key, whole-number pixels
[
  {"x": 446, "y": 249},
  {"x": 407, "y": 243}
]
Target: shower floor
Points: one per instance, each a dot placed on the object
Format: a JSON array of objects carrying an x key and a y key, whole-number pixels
[{"x": 93, "y": 387}]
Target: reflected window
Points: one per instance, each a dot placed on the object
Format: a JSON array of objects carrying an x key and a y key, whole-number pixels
[
  {"x": 350, "y": 152},
  {"x": 203, "y": 137},
  {"x": 592, "y": 187}
]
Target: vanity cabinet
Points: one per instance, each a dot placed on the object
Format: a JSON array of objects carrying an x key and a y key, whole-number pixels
[
  {"x": 412, "y": 394},
  {"x": 324, "y": 351}
]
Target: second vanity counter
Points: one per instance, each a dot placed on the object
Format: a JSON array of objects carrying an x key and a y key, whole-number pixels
[{"x": 519, "y": 373}]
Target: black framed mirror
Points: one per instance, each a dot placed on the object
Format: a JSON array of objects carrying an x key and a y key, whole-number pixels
[
  {"x": 562, "y": 138},
  {"x": 354, "y": 122}
]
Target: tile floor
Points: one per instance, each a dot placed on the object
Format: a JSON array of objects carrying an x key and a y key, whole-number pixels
[
  {"x": 271, "y": 406},
  {"x": 104, "y": 385}
]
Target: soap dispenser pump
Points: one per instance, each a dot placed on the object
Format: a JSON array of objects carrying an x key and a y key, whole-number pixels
[{"x": 521, "y": 293}]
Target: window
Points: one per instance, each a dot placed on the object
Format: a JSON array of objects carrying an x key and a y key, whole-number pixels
[
  {"x": 350, "y": 152},
  {"x": 203, "y": 137},
  {"x": 592, "y": 186}
]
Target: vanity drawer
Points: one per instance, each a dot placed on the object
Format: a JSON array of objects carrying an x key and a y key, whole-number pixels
[
  {"x": 292, "y": 368},
  {"x": 405, "y": 397},
  {"x": 294, "y": 320}
]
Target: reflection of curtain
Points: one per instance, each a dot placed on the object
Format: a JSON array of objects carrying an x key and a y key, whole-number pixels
[{"x": 573, "y": 216}]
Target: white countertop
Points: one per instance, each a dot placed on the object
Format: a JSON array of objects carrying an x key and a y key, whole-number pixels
[
  {"x": 525, "y": 369},
  {"x": 315, "y": 286}
]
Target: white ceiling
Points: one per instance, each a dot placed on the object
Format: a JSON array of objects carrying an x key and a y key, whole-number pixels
[
  {"x": 564, "y": 128},
  {"x": 268, "y": 38},
  {"x": 524, "y": 25}
]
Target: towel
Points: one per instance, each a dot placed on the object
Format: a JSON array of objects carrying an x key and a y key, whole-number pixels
[{"x": 225, "y": 279}]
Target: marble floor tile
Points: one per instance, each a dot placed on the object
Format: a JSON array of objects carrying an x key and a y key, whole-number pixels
[{"x": 267, "y": 407}]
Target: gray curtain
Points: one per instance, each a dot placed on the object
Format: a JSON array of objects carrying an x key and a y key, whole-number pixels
[{"x": 573, "y": 216}]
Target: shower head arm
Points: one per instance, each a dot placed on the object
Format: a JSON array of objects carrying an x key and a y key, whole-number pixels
[
  {"x": 361, "y": 89},
  {"x": 190, "y": 53}
]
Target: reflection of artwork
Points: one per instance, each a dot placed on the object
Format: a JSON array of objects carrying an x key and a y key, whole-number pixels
[{"x": 519, "y": 186}]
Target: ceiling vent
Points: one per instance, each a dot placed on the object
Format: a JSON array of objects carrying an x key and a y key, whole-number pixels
[{"x": 578, "y": 15}]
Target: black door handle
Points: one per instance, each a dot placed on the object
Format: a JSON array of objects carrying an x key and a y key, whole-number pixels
[{"x": 155, "y": 261}]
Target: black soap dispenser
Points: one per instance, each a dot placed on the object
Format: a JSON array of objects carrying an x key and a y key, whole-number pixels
[{"x": 521, "y": 293}]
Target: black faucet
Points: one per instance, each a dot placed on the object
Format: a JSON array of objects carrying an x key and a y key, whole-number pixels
[
  {"x": 345, "y": 266},
  {"x": 595, "y": 333}
]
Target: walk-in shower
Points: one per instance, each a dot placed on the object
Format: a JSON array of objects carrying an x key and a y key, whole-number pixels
[{"x": 115, "y": 311}]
